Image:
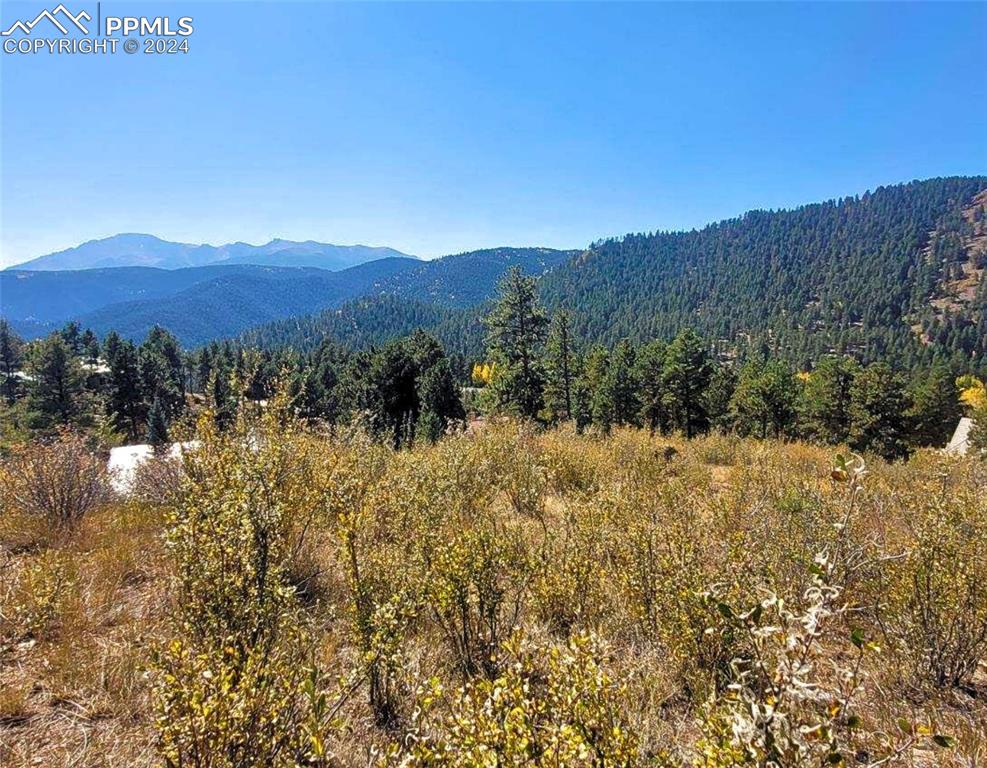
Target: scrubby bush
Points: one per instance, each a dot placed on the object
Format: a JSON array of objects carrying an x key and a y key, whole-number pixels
[
  {"x": 35, "y": 597},
  {"x": 475, "y": 592},
  {"x": 234, "y": 684},
  {"x": 552, "y": 706},
  {"x": 937, "y": 608},
  {"x": 60, "y": 480},
  {"x": 158, "y": 481}
]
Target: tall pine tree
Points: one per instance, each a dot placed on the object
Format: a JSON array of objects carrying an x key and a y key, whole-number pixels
[
  {"x": 516, "y": 330},
  {"x": 11, "y": 355},
  {"x": 559, "y": 368},
  {"x": 825, "y": 401},
  {"x": 125, "y": 401},
  {"x": 686, "y": 374},
  {"x": 56, "y": 395},
  {"x": 936, "y": 407},
  {"x": 653, "y": 395},
  {"x": 879, "y": 405}
]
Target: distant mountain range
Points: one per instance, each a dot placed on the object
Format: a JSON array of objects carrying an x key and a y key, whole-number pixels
[
  {"x": 896, "y": 273},
  {"x": 134, "y": 250},
  {"x": 199, "y": 304}
]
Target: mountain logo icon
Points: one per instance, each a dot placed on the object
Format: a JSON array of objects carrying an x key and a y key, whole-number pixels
[{"x": 56, "y": 16}]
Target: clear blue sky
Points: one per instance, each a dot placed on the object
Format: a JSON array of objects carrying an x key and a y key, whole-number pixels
[{"x": 440, "y": 128}]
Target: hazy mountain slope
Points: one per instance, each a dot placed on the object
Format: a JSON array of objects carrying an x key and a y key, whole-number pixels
[
  {"x": 442, "y": 295},
  {"x": 311, "y": 254},
  {"x": 466, "y": 279},
  {"x": 125, "y": 250},
  {"x": 188, "y": 301},
  {"x": 45, "y": 299},
  {"x": 128, "y": 250},
  {"x": 236, "y": 300}
]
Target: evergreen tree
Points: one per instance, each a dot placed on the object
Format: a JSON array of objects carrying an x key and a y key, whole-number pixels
[
  {"x": 90, "y": 347},
  {"x": 56, "y": 394},
  {"x": 559, "y": 368},
  {"x": 825, "y": 402},
  {"x": 936, "y": 407},
  {"x": 439, "y": 401},
  {"x": 582, "y": 396},
  {"x": 429, "y": 427},
  {"x": 781, "y": 393},
  {"x": 125, "y": 403},
  {"x": 582, "y": 404},
  {"x": 111, "y": 346},
  {"x": 878, "y": 407},
  {"x": 686, "y": 374},
  {"x": 424, "y": 349},
  {"x": 72, "y": 335},
  {"x": 748, "y": 409},
  {"x": 722, "y": 385},
  {"x": 322, "y": 396},
  {"x": 654, "y": 398},
  {"x": 392, "y": 395},
  {"x": 764, "y": 399},
  {"x": 202, "y": 365},
  {"x": 516, "y": 330},
  {"x": 596, "y": 371},
  {"x": 163, "y": 371},
  {"x": 157, "y": 425},
  {"x": 11, "y": 355},
  {"x": 220, "y": 398},
  {"x": 621, "y": 385}
]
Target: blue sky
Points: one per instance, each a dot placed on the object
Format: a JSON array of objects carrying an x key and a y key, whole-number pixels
[{"x": 439, "y": 128}]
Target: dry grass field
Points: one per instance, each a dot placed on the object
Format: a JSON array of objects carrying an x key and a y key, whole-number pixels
[{"x": 504, "y": 598}]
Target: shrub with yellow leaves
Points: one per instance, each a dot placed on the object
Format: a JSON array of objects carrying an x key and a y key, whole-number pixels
[
  {"x": 973, "y": 392},
  {"x": 552, "y": 706},
  {"x": 233, "y": 687},
  {"x": 36, "y": 598}
]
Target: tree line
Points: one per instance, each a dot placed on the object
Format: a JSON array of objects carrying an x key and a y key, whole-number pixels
[
  {"x": 535, "y": 368},
  {"x": 401, "y": 391}
]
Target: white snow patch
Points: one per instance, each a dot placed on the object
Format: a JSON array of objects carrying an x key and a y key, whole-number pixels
[
  {"x": 959, "y": 443},
  {"x": 125, "y": 460}
]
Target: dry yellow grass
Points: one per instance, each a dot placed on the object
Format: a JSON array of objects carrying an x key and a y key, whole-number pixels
[{"x": 419, "y": 566}]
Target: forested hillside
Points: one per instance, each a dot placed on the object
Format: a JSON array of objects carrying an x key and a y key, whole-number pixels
[
  {"x": 201, "y": 304},
  {"x": 894, "y": 274},
  {"x": 846, "y": 275},
  {"x": 131, "y": 300},
  {"x": 447, "y": 296},
  {"x": 371, "y": 321},
  {"x": 42, "y": 300}
]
